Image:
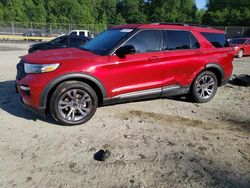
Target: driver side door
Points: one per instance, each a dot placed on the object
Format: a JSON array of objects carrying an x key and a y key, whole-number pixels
[{"x": 139, "y": 74}]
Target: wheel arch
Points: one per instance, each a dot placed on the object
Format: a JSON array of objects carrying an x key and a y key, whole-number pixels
[
  {"x": 96, "y": 84},
  {"x": 217, "y": 70}
]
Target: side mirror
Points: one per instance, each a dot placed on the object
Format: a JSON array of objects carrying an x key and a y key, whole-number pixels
[{"x": 125, "y": 50}]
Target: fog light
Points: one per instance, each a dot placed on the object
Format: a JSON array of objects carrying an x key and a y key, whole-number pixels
[{"x": 25, "y": 89}]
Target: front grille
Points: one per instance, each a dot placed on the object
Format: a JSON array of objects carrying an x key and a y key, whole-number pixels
[{"x": 20, "y": 70}]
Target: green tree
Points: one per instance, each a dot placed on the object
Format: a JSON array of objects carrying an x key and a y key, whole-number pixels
[
  {"x": 199, "y": 16},
  {"x": 132, "y": 11},
  {"x": 171, "y": 10},
  {"x": 15, "y": 11},
  {"x": 1, "y": 13},
  {"x": 228, "y": 12}
]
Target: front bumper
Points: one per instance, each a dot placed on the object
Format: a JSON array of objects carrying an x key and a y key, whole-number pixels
[{"x": 38, "y": 111}]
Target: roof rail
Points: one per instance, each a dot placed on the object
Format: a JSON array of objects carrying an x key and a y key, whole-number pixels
[
  {"x": 179, "y": 24},
  {"x": 198, "y": 25},
  {"x": 167, "y": 23}
]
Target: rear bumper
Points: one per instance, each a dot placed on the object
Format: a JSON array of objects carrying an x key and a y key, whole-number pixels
[{"x": 223, "y": 82}]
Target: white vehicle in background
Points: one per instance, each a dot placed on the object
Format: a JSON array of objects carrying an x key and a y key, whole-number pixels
[{"x": 81, "y": 33}]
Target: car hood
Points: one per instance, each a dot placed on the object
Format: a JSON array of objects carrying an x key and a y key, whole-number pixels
[
  {"x": 38, "y": 44},
  {"x": 58, "y": 55}
]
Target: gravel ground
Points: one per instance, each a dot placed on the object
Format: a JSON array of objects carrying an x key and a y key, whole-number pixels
[{"x": 156, "y": 143}]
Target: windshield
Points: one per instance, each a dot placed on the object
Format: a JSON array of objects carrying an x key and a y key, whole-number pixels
[
  {"x": 105, "y": 41},
  {"x": 237, "y": 41}
]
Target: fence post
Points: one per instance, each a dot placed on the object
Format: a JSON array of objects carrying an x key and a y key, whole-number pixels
[
  {"x": 13, "y": 29},
  {"x": 50, "y": 29},
  {"x": 31, "y": 27},
  {"x": 242, "y": 32}
]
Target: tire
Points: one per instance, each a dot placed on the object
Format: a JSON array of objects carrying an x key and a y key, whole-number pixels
[
  {"x": 204, "y": 87},
  {"x": 73, "y": 103},
  {"x": 240, "y": 53}
]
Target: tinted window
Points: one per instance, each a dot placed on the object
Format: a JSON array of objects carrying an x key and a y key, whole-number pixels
[
  {"x": 105, "y": 41},
  {"x": 194, "y": 42},
  {"x": 216, "y": 39},
  {"x": 178, "y": 40},
  {"x": 146, "y": 41},
  {"x": 73, "y": 34},
  {"x": 77, "y": 41},
  {"x": 237, "y": 41},
  {"x": 81, "y": 33}
]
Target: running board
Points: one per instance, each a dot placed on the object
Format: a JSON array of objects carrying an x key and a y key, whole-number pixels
[{"x": 169, "y": 91}]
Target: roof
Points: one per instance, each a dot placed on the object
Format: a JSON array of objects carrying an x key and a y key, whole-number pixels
[{"x": 199, "y": 28}]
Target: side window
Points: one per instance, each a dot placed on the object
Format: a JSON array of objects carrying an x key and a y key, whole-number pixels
[
  {"x": 73, "y": 34},
  {"x": 75, "y": 40},
  {"x": 146, "y": 41},
  {"x": 81, "y": 33},
  {"x": 216, "y": 39},
  {"x": 194, "y": 42},
  {"x": 180, "y": 40}
]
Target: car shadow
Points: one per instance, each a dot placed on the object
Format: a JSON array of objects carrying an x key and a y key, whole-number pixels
[
  {"x": 240, "y": 80},
  {"x": 180, "y": 98},
  {"x": 10, "y": 103}
]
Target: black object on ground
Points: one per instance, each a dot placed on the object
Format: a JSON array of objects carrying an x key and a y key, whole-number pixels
[
  {"x": 102, "y": 155},
  {"x": 241, "y": 80}
]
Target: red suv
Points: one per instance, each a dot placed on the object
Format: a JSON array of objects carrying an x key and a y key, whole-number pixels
[
  {"x": 241, "y": 46},
  {"x": 122, "y": 64}
]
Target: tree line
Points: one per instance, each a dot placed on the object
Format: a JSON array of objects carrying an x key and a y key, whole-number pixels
[{"x": 113, "y": 12}]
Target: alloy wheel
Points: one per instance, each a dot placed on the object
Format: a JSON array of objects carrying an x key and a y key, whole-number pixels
[
  {"x": 205, "y": 86},
  {"x": 74, "y": 105}
]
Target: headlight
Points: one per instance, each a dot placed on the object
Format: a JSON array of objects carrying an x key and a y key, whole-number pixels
[{"x": 40, "y": 68}]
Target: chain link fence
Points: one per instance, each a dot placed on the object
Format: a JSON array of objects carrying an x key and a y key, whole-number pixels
[
  {"x": 55, "y": 29},
  {"x": 48, "y": 29},
  {"x": 235, "y": 32}
]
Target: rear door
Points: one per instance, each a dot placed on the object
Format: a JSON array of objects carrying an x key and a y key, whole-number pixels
[
  {"x": 182, "y": 53},
  {"x": 141, "y": 71}
]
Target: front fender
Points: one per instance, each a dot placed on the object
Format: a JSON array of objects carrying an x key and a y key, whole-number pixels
[{"x": 66, "y": 77}]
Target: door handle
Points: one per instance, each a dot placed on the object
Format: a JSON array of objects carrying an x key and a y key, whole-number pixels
[{"x": 153, "y": 58}]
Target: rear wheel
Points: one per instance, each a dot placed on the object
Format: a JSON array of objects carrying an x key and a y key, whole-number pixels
[
  {"x": 204, "y": 87},
  {"x": 240, "y": 53},
  {"x": 73, "y": 103}
]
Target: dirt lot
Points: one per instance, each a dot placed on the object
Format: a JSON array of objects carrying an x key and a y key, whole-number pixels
[{"x": 157, "y": 143}]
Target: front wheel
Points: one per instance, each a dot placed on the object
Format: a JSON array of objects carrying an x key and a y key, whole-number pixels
[
  {"x": 73, "y": 103},
  {"x": 204, "y": 87},
  {"x": 240, "y": 53}
]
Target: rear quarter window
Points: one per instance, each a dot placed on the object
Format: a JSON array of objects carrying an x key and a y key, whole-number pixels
[{"x": 216, "y": 39}]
